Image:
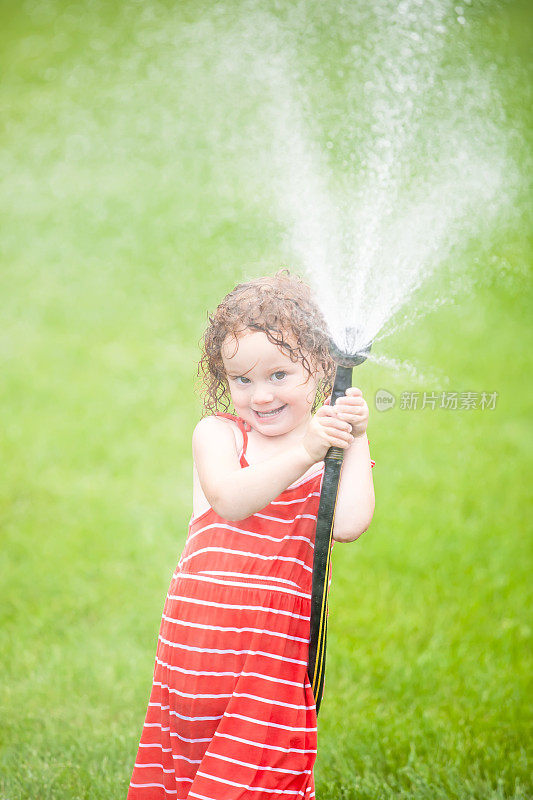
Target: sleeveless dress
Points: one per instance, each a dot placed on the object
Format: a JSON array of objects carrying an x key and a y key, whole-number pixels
[{"x": 231, "y": 714}]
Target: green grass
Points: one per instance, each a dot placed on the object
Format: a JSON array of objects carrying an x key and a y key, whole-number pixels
[{"x": 122, "y": 227}]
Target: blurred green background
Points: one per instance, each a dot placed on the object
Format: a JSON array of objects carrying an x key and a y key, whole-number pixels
[{"x": 125, "y": 218}]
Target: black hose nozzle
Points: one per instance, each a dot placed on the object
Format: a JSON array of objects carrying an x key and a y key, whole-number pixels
[{"x": 355, "y": 355}]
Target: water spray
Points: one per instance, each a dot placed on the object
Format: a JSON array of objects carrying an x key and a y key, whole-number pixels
[{"x": 316, "y": 668}]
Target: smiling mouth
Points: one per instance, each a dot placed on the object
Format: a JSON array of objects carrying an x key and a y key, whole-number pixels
[{"x": 269, "y": 414}]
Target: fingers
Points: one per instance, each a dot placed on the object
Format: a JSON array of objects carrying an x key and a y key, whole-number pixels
[
  {"x": 346, "y": 419},
  {"x": 352, "y": 414},
  {"x": 330, "y": 416},
  {"x": 349, "y": 406},
  {"x": 346, "y": 409},
  {"x": 339, "y": 437},
  {"x": 336, "y": 431},
  {"x": 352, "y": 396},
  {"x": 349, "y": 411}
]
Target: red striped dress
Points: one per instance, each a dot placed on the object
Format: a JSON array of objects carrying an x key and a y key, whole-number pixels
[{"x": 231, "y": 715}]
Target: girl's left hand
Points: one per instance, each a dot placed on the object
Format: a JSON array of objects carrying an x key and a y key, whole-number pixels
[{"x": 353, "y": 409}]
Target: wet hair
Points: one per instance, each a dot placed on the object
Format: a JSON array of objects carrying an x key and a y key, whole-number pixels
[{"x": 281, "y": 306}]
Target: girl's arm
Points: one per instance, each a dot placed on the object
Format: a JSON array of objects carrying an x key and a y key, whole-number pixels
[
  {"x": 355, "y": 499},
  {"x": 236, "y": 493}
]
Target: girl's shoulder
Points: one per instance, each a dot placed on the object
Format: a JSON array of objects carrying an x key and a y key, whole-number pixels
[
  {"x": 216, "y": 444},
  {"x": 217, "y": 431}
]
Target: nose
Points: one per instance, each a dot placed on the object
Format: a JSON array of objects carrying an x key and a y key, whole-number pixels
[{"x": 262, "y": 395}]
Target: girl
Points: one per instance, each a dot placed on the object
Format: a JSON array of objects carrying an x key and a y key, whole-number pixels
[{"x": 231, "y": 714}]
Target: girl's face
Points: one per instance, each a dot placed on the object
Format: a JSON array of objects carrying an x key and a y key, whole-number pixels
[{"x": 271, "y": 392}]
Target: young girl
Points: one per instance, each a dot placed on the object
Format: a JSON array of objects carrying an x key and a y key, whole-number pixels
[{"x": 231, "y": 714}]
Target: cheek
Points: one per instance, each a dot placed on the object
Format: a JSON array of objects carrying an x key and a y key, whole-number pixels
[
  {"x": 238, "y": 394},
  {"x": 234, "y": 394},
  {"x": 306, "y": 396}
]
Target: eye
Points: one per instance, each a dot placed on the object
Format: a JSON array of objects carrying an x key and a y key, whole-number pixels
[
  {"x": 242, "y": 379},
  {"x": 279, "y": 375}
]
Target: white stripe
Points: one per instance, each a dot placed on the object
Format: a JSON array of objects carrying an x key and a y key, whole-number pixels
[
  {"x": 255, "y": 576},
  {"x": 298, "y": 500},
  {"x": 227, "y": 527},
  {"x": 227, "y": 652},
  {"x": 286, "y": 590},
  {"x": 212, "y": 603},
  {"x": 176, "y": 735},
  {"x": 158, "y": 766},
  {"x": 181, "y": 716},
  {"x": 156, "y": 785},
  {"x": 273, "y": 724},
  {"x": 270, "y": 678},
  {"x": 160, "y": 746},
  {"x": 197, "y": 625},
  {"x": 227, "y": 696},
  {"x": 169, "y": 750},
  {"x": 254, "y": 674},
  {"x": 257, "y": 766},
  {"x": 205, "y": 797},
  {"x": 272, "y": 702},
  {"x": 201, "y": 796},
  {"x": 193, "y": 696},
  {"x": 190, "y": 760},
  {"x": 244, "y": 785},
  {"x": 285, "y": 521},
  {"x": 184, "y": 694},
  {"x": 229, "y": 675},
  {"x": 264, "y": 746},
  {"x": 246, "y": 554}
]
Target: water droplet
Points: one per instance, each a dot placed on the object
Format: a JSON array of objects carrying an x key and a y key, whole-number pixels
[{"x": 461, "y": 20}]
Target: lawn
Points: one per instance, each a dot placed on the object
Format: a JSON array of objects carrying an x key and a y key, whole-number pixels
[{"x": 126, "y": 218}]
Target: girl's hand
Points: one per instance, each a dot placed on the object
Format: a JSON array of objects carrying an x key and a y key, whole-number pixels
[
  {"x": 326, "y": 430},
  {"x": 336, "y": 426},
  {"x": 353, "y": 409}
]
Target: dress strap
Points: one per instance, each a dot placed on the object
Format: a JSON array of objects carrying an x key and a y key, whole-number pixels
[{"x": 244, "y": 427}]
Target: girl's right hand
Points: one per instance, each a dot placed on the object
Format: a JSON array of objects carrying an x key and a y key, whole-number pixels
[{"x": 326, "y": 430}]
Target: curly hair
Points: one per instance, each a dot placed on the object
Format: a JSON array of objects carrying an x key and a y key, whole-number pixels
[{"x": 281, "y": 306}]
